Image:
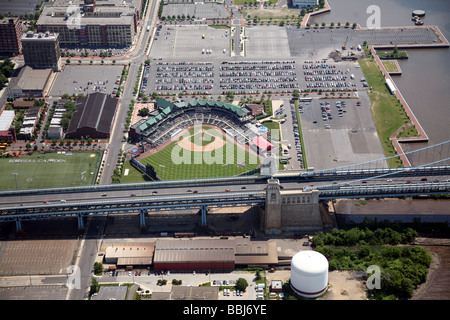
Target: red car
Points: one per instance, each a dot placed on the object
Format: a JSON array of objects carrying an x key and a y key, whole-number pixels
[
  {"x": 46, "y": 201},
  {"x": 227, "y": 190}
]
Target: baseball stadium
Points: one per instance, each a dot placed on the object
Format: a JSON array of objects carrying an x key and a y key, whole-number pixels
[{"x": 199, "y": 139}]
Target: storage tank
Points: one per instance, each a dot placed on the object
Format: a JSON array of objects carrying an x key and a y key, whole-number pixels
[{"x": 309, "y": 273}]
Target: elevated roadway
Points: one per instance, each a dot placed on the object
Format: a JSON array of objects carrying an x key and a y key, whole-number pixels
[
  {"x": 119, "y": 202},
  {"x": 289, "y": 179}
]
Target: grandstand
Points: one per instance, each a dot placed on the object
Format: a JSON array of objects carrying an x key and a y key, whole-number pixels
[{"x": 168, "y": 118}]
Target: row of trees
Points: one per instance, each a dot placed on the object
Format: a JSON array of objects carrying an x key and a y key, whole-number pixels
[
  {"x": 347, "y": 25},
  {"x": 6, "y": 71},
  {"x": 355, "y": 236}
]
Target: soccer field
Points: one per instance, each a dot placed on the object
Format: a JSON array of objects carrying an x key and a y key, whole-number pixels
[
  {"x": 175, "y": 162},
  {"x": 50, "y": 170}
]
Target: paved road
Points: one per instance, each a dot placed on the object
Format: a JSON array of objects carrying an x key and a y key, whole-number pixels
[
  {"x": 137, "y": 57},
  {"x": 183, "y": 190},
  {"x": 86, "y": 259},
  {"x": 96, "y": 225}
]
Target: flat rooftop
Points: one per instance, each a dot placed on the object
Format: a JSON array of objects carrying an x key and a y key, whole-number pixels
[
  {"x": 31, "y": 79},
  {"x": 39, "y": 36},
  {"x": 113, "y": 12}
]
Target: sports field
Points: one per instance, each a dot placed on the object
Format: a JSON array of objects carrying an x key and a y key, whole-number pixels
[
  {"x": 193, "y": 157},
  {"x": 50, "y": 169}
]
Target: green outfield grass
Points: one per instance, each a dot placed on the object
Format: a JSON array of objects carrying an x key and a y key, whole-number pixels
[
  {"x": 49, "y": 170},
  {"x": 174, "y": 163}
]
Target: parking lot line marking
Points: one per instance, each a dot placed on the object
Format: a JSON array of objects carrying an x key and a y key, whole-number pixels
[{"x": 175, "y": 42}]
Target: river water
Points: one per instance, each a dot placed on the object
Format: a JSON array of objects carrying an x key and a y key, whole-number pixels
[{"x": 425, "y": 81}]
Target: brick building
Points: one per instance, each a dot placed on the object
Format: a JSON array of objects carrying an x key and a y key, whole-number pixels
[
  {"x": 41, "y": 50},
  {"x": 10, "y": 34}
]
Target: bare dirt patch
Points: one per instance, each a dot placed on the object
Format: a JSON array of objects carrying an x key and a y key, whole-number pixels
[{"x": 216, "y": 142}]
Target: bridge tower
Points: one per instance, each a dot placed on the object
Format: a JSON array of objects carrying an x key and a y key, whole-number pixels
[
  {"x": 272, "y": 215},
  {"x": 291, "y": 210}
]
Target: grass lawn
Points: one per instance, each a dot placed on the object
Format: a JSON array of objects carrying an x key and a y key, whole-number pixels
[
  {"x": 392, "y": 55},
  {"x": 174, "y": 163},
  {"x": 274, "y": 128},
  {"x": 390, "y": 66},
  {"x": 387, "y": 111},
  {"x": 134, "y": 175},
  {"x": 50, "y": 170},
  {"x": 267, "y": 13},
  {"x": 300, "y": 132}
]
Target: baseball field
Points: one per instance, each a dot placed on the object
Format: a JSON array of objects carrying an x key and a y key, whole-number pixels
[
  {"x": 203, "y": 152},
  {"x": 51, "y": 169}
]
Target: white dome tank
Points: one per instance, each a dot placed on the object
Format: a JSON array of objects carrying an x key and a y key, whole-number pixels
[{"x": 309, "y": 273}]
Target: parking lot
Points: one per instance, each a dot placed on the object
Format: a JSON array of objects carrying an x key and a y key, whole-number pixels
[
  {"x": 321, "y": 41},
  {"x": 339, "y": 132},
  {"x": 17, "y": 8},
  {"x": 251, "y": 76},
  {"x": 179, "y": 76},
  {"x": 256, "y": 76},
  {"x": 266, "y": 42},
  {"x": 89, "y": 79},
  {"x": 191, "y": 43}
]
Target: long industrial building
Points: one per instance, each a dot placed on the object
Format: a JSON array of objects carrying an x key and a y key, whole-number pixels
[
  {"x": 194, "y": 254},
  {"x": 93, "y": 117}
]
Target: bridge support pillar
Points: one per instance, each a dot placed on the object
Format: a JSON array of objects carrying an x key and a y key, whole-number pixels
[
  {"x": 142, "y": 220},
  {"x": 204, "y": 210},
  {"x": 18, "y": 224},
  {"x": 80, "y": 222}
]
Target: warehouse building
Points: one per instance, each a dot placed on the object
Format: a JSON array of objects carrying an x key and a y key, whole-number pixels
[
  {"x": 213, "y": 254},
  {"x": 193, "y": 254},
  {"x": 93, "y": 117},
  {"x": 31, "y": 83},
  {"x": 137, "y": 255}
]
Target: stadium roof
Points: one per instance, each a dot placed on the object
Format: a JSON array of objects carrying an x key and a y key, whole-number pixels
[
  {"x": 164, "y": 108},
  {"x": 218, "y": 104}
]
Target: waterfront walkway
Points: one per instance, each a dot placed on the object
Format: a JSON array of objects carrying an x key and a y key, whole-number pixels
[{"x": 422, "y": 137}]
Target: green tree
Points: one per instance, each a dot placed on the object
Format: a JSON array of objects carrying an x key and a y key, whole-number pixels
[
  {"x": 94, "y": 285},
  {"x": 395, "y": 51},
  {"x": 98, "y": 268},
  {"x": 241, "y": 284}
]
